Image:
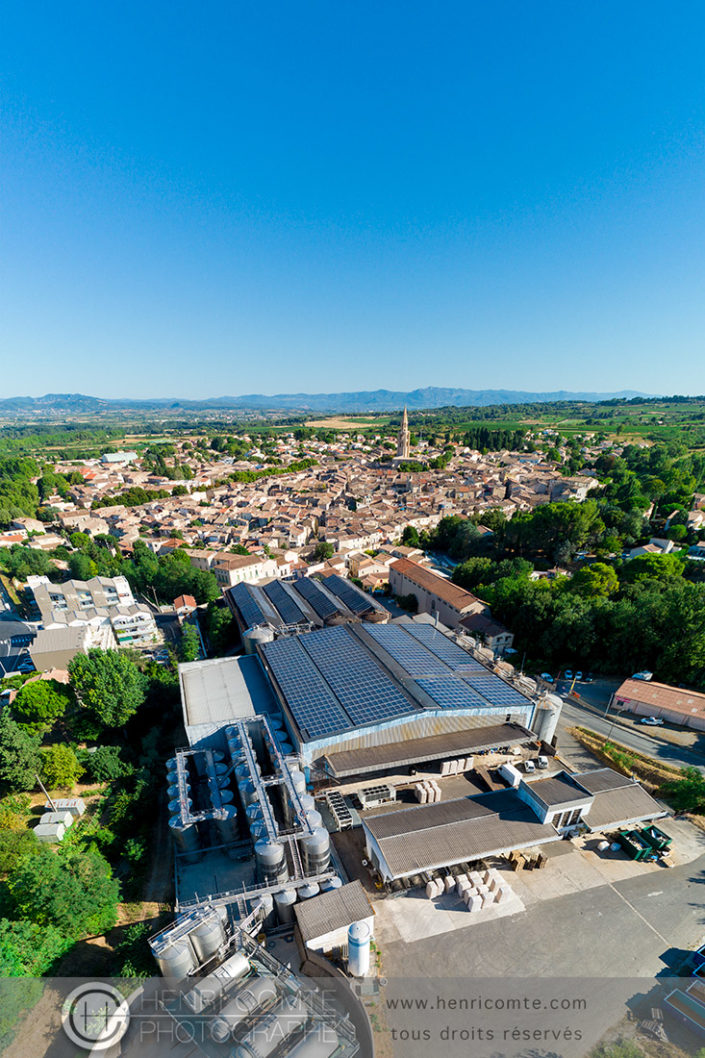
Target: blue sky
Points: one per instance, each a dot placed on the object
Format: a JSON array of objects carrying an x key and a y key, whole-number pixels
[{"x": 224, "y": 198}]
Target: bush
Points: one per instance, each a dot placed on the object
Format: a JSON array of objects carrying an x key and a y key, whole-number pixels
[
  {"x": 60, "y": 767},
  {"x": 105, "y": 764},
  {"x": 28, "y": 950},
  {"x": 39, "y": 705}
]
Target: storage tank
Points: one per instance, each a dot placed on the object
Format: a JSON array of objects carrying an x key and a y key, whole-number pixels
[
  {"x": 314, "y": 819},
  {"x": 253, "y": 636},
  {"x": 271, "y": 861},
  {"x": 211, "y": 988},
  {"x": 315, "y": 851},
  {"x": 178, "y": 959},
  {"x": 333, "y": 883},
  {"x": 227, "y": 826},
  {"x": 284, "y": 906},
  {"x": 243, "y": 1004},
  {"x": 265, "y": 911},
  {"x": 207, "y": 937},
  {"x": 359, "y": 936},
  {"x": 546, "y": 717},
  {"x": 186, "y": 839},
  {"x": 308, "y": 803},
  {"x": 321, "y": 1042},
  {"x": 268, "y": 1033},
  {"x": 299, "y": 780},
  {"x": 254, "y": 812},
  {"x": 248, "y": 793},
  {"x": 307, "y": 892}
]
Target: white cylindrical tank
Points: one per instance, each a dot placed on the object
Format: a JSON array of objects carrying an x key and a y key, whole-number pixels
[
  {"x": 299, "y": 780},
  {"x": 315, "y": 850},
  {"x": 333, "y": 883},
  {"x": 227, "y": 826},
  {"x": 186, "y": 839},
  {"x": 359, "y": 937},
  {"x": 253, "y": 636},
  {"x": 207, "y": 937},
  {"x": 178, "y": 959},
  {"x": 546, "y": 717},
  {"x": 243, "y": 1004},
  {"x": 284, "y": 906},
  {"x": 271, "y": 861},
  {"x": 308, "y": 803},
  {"x": 314, "y": 819},
  {"x": 212, "y": 987},
  {"x": 306, "y": 892}
]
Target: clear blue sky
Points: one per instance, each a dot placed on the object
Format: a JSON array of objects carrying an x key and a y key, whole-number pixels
[{"x": 223, "y": 198}]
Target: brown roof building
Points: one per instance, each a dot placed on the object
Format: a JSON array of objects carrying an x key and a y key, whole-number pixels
[
  {"x": 675, "y": 704},
  {"x": 434, "y": 594}
]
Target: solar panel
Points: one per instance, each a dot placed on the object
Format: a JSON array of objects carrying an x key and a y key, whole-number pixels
[
  {"x": 451, "y": 693},
  {"x": 284, "y": 604},
  {"x": 310, "y": 700},
  {"x": 499, "y": 693},
  {"x": 412, "y": 656},
  {"x": 365, "y": 691},
  {"x": 249, "y": 609},
  {"x": 348, "y": 593},
  {"x": 454, "y": 656},
  {"x": 319, "y": 603}
]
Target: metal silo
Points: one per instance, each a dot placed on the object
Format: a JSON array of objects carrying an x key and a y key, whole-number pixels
[
  {"x": 246, "y": 1001},
  {"x": 268, "y": 1033},
  {"x": 315, "y": 851},
  {"x": 271, "y": 861},
  {"x": 227, "y": 826},
  {"x": 186, "y": 839},
  {"x": 307, "y": 892},
  {"x": 359, "y": 937},
  {"x": 332, "y": 883},
  {"x": 284, "y": 906},
  {"x": 209, "y": 989},
  {"x": 252, "y": 636},
  {"x": 546, "y": 717},
  {"x": 178, "y": 959},
  {"x": 207, "y": 937}
]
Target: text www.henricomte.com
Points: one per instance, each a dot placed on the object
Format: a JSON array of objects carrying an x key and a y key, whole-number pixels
[{"x": 488, "y": 1003}]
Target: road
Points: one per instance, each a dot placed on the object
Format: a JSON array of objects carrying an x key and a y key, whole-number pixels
[{"x": 575, "y": 715}]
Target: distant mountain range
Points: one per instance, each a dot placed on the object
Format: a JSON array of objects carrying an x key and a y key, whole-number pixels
[{"x": 380, "y": 400}]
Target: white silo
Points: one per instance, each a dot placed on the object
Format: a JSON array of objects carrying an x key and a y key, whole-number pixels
[
  {"x": 546, "y": 717},
  {"x": 307, "y": 892},
  {"x": 255, "y": 994},
  {"x": 359, "y": 937},
  {"x": 315, "y": 851},
  {"x": 227, "y": 825},
  {"x": 186, "y": 839},
  {"x": 284, "y": 905},
  {"x": 253, "y": 636},
  {"x": 207, "y": 937},
  {"x": 299, "y": 780},
  {"x": 177, "y": 959},
  {"x": 267, "y": 1034},
  {"x": 333, "y": 883},
  {"x": 271, "y": 861}
]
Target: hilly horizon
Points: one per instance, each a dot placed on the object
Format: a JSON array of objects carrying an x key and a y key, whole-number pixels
[{"x": 381, "y": 400}]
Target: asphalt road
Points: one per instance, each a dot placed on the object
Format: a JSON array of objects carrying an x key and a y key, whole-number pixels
[{"x": 574, "y": 715}]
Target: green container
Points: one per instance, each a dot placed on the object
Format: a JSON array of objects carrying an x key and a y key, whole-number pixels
[{"x": 656, "y": 838}]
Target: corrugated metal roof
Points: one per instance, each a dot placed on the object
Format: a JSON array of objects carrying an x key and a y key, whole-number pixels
[
  {"x": 466, "y": 741},
  {"x": 408, "y": 849},
  {"x": 425, "y": 817},
  {"x": 629, "y": 804},
  {"x": 332, "y": 911},
  {"x": 223, "y": 689},
  {"x": 600, "y": 779},
  {"x": 661, "y": 696},
  {"x": 558, "y": 790}
]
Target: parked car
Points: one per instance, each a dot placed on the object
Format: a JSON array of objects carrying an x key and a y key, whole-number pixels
[
  {"x": 652, "y": 721},
  {"x": 589, "y": 677},
  {"x": 578, "y": 676},
  {"x": 542, "y": 761},
  {"x": 568, "y": 674},
  {"x": 529, "y": 766},
  {"x": 644, "y": 675},
  {"x": 547, "y": 677}
]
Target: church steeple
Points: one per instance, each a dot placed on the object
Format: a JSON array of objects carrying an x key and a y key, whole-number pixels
[{"x": 403, "y": 443}]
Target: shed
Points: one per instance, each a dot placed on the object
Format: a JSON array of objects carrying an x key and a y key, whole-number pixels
[
  {"x": 65, "y": 818},
  {"x": 324, "y": 920},
  {"x": 50, "y": 832},
  {"x": 75, "y": 805}
]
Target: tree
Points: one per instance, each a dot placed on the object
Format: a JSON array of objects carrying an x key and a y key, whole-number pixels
[
  {"x": 596, "y": 581},
  {"x": 652, "y": 567},
  {"x": 39, "y": 704},
  {"x": 28, "y": 950},
  {"x": 60, "y": 767},
  {"x": 190, "y": 645},
  {"x": 220, "y": 627},
  {"x": 105, "y": 764},
  {"x": 72, "y": 891},
  {"x": 323, "y": 551},
  {"x": 19, "y": 755},
  {"x": 686, "y": 794},
  {"x": 108, "y": 684},
  {"x": 81, "y": 566}
]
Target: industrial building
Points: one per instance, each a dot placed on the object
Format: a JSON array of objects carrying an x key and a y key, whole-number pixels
[
  {"x": 676, "y": 705},
  {"x": 364, "y": 686},
  {"x": 280, "y": 607},
  {"x": 408, "y": 841}
]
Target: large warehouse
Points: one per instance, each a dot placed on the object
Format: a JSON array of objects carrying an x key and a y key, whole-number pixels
[
  {"x": 673, "y": 704},
  {"x": 406, "y": 841},
  {"x": 368, "y": 685}
]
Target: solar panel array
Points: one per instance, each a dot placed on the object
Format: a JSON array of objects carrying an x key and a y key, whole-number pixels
[
  {"x": 354, "y": 600},
  {"x": 319, "y": 603},
  {"x": 367, "y": 693},
  {"x": 444, "y": 670},
  {"x": 286, "y": 607},
  {"x": 312, "y": 704},
  {"x": 249, "y": 608}
]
